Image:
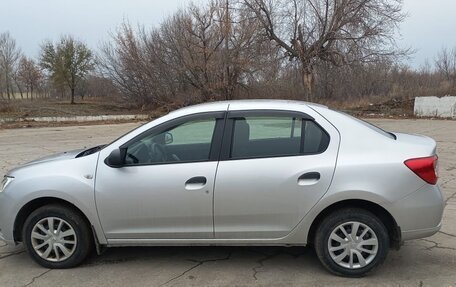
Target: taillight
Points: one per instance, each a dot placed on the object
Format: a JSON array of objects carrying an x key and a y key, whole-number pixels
[{"x": 425, "y": 168}]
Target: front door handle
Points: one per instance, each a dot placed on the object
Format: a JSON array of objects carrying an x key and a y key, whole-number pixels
[
  {"x": 309, "y": 178},
  {"x": 195, "y": 183}
]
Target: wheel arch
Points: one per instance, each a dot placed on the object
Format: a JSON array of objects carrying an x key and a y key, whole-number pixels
[
  {"x": 386, "y": 218},
  {"x": 36, "y": 203}
]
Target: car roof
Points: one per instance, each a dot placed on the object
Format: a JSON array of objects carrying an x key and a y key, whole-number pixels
[{"x": 246, "y": 104}]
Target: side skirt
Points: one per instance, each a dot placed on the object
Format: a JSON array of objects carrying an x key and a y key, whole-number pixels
[{"x": 197, "y": 242}]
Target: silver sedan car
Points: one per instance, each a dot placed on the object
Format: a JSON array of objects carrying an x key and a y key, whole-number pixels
[{"x": 231, "y": 173}]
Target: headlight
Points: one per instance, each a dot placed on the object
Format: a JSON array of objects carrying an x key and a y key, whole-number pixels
[{"x": 5, "y": 182}]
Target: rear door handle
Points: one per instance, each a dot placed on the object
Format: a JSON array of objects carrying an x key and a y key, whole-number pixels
[
  {"x": 309, "y": 178},
  {"x": 195, "y": 183}
]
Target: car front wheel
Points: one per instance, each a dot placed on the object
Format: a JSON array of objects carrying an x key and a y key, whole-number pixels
[
  {"x": 57, "y": 237},
  {"x": 351, "y": 242}
]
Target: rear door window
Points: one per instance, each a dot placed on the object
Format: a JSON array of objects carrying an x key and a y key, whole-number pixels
[{"x": 274, "y": 136}]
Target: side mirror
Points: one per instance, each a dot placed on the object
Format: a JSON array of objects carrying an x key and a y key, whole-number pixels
[
  {"x": 168, "y": 138},
  {"x": 116, "y": 159}
]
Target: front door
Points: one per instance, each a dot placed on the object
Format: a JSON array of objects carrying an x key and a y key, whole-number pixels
[{"x": 165, "y": 190}]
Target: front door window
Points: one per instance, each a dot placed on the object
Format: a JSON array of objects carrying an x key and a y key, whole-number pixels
[{"x": 188, "y": 142}]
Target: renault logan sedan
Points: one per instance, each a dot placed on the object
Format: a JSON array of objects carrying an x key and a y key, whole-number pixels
[{"x": 231, "y": 173}]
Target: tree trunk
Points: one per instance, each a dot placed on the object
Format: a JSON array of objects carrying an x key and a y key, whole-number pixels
[
  {"x": 453, "y": 89},
  {"x": 6, "y": 85},
  {"x": 8, "y": 89},
  {"x": 72, "y": 87},
  {"x": 308, "y": 83},
  {"x": 19, "y": 87},
  {"x": 72, "y": 96}
]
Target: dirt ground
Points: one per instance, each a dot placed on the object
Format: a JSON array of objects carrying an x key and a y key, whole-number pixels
[
  {"x": 47, "y": 107},
  {"x": 425, "y": 262}
]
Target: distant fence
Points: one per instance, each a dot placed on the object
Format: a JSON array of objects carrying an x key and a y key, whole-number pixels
[
  {"x": 444, "y": 107},
  {"x": 77, "y": 118}
]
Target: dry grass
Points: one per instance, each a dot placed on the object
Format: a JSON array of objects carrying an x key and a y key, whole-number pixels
[
  {"x": 395, "y": 107},
  {"x": 6, "y": 107},
  {"x": 58, "y": 107}
]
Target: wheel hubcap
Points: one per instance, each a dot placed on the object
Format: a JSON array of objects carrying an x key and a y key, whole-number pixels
[
  {"x": 353, "y": 245},
  {"x": 53, "y": 239}
]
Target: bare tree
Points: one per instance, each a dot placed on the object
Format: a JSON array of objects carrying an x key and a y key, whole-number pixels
[
  {"x": 248, "y": 56},
  {"x": 69, "y": 61},
  {"x": 135, "y": 65},
  {"x": 339, "y": 50},
  {"x": 29, "y": 74},
  {"x": 446, "y": 65},
  {"x": 197, "y": 54},
  {"x": 9, "y": 56},
  {"x": 18, "y": 83},
  {"x": 339, "y": 32},
  {"x": 191, "y": 39},
  {"x": 213, "y": 49}
]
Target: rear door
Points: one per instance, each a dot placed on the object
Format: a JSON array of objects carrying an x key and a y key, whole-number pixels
[{"x": 275, "y": 165}]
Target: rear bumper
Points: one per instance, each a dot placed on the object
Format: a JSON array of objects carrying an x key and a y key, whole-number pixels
[
  {"x": 419, "y": 214},
  {"x": 420, "y": 233}
]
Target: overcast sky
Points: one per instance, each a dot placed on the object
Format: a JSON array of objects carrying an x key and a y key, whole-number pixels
[{"x": 430, "y": 26}]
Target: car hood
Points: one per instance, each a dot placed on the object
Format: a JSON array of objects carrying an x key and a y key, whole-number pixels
[
  {"x": 67, "y": 155},
  {"x": 58, "y": 156}
]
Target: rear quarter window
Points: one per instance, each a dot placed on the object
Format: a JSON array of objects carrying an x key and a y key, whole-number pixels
[{"x": 371, "y": 126}]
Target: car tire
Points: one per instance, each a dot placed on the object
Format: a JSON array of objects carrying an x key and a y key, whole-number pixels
[
  {"x": 351, "y": 242},
  {"x": 69, "y": 239}
]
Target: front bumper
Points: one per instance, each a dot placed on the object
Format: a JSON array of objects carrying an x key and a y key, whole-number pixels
[
  {"x": 8, "y": 242},
  {"x": 7, "y": 215}
]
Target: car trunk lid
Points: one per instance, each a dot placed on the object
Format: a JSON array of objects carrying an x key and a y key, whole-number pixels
[{"x": 419, "y": 144}]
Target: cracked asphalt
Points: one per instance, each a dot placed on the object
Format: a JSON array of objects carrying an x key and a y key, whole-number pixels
[{"x": 425, "y": 262}]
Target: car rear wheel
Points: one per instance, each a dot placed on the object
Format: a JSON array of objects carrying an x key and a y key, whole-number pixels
[
  {"x": 57, "y": 237},
  {"x": 351, "y": 242}
]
